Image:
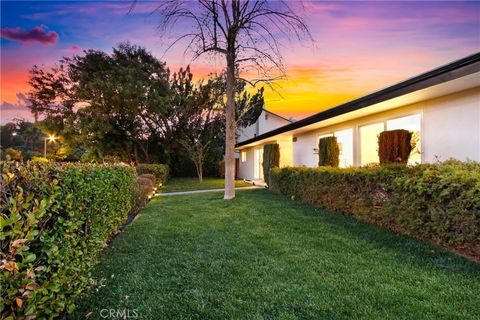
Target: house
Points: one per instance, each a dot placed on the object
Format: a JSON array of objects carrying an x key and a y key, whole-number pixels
[
  {"x": 267, "y": 121},
  {"x": 441, "y": 107}
]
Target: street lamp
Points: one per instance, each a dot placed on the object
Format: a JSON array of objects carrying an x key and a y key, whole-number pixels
[{"x": 50, "y": 138}]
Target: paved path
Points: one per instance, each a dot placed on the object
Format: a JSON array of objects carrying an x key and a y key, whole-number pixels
[{"x": 202, "y": 191}]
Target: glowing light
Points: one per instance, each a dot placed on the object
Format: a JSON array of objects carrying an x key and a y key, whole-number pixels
[{"x": 51, "y": 138}]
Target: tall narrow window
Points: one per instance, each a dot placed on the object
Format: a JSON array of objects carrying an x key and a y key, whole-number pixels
[
  {"x": 345, "y": 144},
  {"x": 413, "y": 124},
  {"x": 258, "y": 164},
  {"x": 369, "y": 142},
  {"x": 244, "y": 156}
]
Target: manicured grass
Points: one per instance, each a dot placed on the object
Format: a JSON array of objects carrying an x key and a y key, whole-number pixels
[
  {"x": 264, "y": 256},
  {"x": 189, "y": 184}
]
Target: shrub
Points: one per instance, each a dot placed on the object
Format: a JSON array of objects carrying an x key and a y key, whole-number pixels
[
  {"x": 271, "y": 159},
  {"x": 39, "y": 159},
  {"x": 438, "y": 202},
  {"x": 160, "y": 171},
  {"x": 149, "y": 176},
  {"x": 54, "y": 220},
  {"x": 328, "y": 152},
  {"x": 394, "y": 146},
  {"x": 144, "y": 186},
  {"x": 14, "y": 154}
]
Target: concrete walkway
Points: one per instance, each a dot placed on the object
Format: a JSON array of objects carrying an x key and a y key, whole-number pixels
[{"x": 202, "y": 191}]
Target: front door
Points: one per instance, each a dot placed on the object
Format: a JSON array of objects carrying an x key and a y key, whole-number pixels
[{"x": 258, "y": 164}]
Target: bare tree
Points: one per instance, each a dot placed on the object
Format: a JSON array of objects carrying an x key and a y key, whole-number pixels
[{"x": 248, "y": 34}]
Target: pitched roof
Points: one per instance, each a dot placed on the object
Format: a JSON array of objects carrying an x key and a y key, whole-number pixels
[{"x": 276, "y": 115}]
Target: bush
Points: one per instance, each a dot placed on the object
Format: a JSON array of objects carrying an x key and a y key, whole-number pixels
[
  {"x": 39, "y": 159},
  {"x": 328, "y": 152},
  {"x": 14, "y": 154},
  {"x": 149, "y": 176},
  {"x": 54, "y": 220},
  {"x": 438, "y": 202},
  {"x": 144, "y": 187},
  {"x": 271, "y": 159},
  {"x": 394, "y": 146},
  {"x": 160, "y": 171}
]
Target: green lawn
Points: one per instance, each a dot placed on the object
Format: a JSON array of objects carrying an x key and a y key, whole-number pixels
[
  {"x": 262, "y": 256},
  {"x": 188, "y": 184}
]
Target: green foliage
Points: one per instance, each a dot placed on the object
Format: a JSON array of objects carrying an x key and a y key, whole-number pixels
[
  {"x": 135, "y": 110},
  {"x": 23, "y": 136},
  {"x": 14, "y": 154},
  {"x": 328, "y": 152},
  {"x": 39, "y": 159},
  {"x": 144, "y": 187},
  {"x": 55, "y": 219},
  {"x": 160, "y": 171},
  {"x": 394, "y": 146},
  {"x": 438, "y": 202},
  {"x": 271, "y": 159}
]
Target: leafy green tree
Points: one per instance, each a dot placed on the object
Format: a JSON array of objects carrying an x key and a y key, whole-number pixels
[
  {"x": 128, "y": 106},
  {"x": 101, "y": 102}
]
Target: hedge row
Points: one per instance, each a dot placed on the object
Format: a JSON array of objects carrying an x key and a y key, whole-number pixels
[
  {"x": 160, "y": 171},
  {"x": 54, "y": 220},
  {"x": 435, "y": 202}
]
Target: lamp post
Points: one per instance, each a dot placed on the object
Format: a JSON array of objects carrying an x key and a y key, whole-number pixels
[{"x": 50, "y": 138}]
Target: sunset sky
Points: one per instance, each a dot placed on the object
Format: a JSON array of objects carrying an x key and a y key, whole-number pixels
[{"x": 359, "y": 46}]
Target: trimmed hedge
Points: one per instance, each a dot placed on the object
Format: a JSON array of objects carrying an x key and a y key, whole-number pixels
[
  {"x": 145, "y": 186},
  {"x": 160, "y": 171},
  {"x": 328, "y": 152},
  {"x": 434, "y": 202},
  {"x": 394, "y": 146},
  {"x": 271, "y": 159},
  {"x": 54, "y": 220}
]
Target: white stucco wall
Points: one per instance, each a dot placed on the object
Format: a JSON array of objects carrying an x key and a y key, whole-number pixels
[
  {"x": 303, "y": 153},
  {"x": 265, "y": 122},
  {"x": 286, "y": 152},
  {"x": 268, "y": 122},
  {"x": 451, "y": 127},
  {"x": 246, "y": 168}
]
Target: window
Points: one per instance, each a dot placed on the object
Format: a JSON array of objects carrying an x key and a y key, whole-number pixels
[
  {"x": 345, "y": 144},
  {"x": 244, "y": 156},
  {"x": 413, "y": 124},
  {"x": 369, "y": 142}
]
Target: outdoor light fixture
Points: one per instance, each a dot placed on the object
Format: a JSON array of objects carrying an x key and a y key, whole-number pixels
[{"x": 51, "y": 138}]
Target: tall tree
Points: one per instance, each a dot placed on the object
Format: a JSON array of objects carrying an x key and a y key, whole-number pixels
[
  {"x": 102, "y": 101},
  {"x": 247, "y": 33}
]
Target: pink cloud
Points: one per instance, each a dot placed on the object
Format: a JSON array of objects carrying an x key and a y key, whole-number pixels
[
  {"x": 74, "y": 48},
  {"x": 37, "y": 34}
]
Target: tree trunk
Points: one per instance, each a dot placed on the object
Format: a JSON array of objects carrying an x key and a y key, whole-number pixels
[
  {"x": 200, "y": 174},
  {"x": 230, "y": 125}
]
